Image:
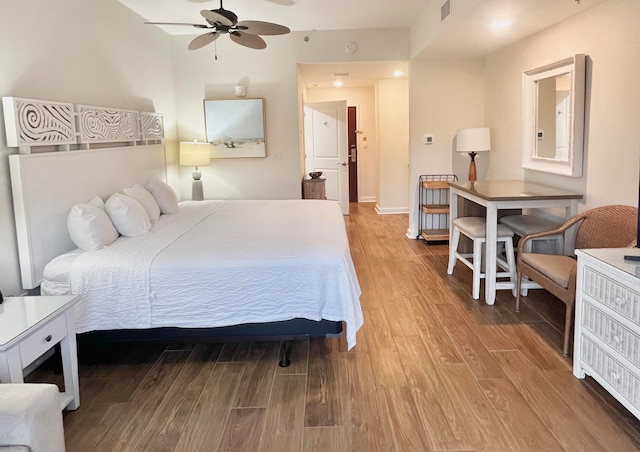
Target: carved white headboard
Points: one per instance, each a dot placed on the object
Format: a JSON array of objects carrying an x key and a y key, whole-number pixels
[
  {"x": 31, "y": 123},
  {"x": 98, "y": 151}
]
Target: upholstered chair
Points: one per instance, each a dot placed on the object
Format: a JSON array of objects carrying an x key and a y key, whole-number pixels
[
  {"x": 30, "y": 418},
  {"x": 602, "y": 227}
]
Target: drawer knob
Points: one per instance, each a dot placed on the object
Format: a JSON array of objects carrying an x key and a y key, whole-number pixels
[
  {"x": 48, "y": 338},
  {"x": 619, "y": 301}
]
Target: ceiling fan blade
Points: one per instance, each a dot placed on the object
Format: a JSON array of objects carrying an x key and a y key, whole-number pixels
[
  {"x": 177, "y": 23},
  {"x": 203, "y": 40},
  {"x": 216, "y": 17},
  {"x": 256, "y": 27},
  {"x": 248, "y": 40}
]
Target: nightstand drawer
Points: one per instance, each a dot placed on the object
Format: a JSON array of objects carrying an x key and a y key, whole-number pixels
[{"x": 42, "y": 340}]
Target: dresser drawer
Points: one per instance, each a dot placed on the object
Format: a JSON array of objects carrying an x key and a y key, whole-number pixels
[
  {"x": 611, "y": 332},
  {"x": 612, "y": 293},
  {"x": 618, "y": 376},
  {"x": 42, "y": 340}
]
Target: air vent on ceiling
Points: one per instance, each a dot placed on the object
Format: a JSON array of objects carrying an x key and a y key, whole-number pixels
[
  {"x": 341, "y": 74},
  {"x": 445, "y": 10}
]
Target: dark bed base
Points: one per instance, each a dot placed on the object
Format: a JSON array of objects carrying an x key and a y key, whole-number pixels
[{"x": 288, "y": 330}]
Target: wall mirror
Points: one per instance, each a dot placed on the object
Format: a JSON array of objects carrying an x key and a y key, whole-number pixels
[
  {"x": 235, "y": 127},
  {"x": 553, "y": 117}
]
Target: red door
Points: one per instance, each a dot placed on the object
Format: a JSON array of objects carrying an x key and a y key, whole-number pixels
[{"x": 352, "y": 133}]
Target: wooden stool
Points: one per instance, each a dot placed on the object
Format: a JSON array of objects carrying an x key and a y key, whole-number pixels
[{"x": 476, "y": 229}]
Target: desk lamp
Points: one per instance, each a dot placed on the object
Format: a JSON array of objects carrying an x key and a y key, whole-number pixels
[
  {"x": 195, "y": 154},
  {"x": 473, "y": 141}
]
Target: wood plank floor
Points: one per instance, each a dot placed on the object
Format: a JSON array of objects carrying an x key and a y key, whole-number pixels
[{"x": 434, "y": 370}]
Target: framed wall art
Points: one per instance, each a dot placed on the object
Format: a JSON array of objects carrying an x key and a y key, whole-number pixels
[{"x": 235, "y": 128}]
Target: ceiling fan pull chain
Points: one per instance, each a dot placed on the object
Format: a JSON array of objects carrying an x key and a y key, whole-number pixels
[{"x": 215, "y": 50}]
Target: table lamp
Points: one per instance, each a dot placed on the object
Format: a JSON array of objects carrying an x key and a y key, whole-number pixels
[
  {"x": 195, "y": 154},
  {"x": 473, "y": 141}
]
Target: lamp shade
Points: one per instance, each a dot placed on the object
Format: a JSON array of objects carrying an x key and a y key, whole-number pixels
[
  {"x": 195, "y": 154},
  {"x": 473, "y": 140}
]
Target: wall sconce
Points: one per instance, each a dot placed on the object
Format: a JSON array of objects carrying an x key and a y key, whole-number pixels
[
  {"x": 195, "y": 154},
  {"x": 473, "y": 141}
]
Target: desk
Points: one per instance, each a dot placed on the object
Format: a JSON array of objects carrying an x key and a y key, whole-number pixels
[{"x": 506, "y": 194}]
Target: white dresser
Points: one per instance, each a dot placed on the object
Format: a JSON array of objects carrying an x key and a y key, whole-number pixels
[{"x": 607, "y": 327}]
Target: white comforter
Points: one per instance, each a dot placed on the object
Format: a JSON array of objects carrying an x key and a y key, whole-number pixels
[{"x": 219, "y": 263}]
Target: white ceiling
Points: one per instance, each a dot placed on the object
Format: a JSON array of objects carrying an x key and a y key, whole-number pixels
[
  {"x": 363, "y": 73},
  {"x": 465, "y": 36},
  {"x": 298, "y": 15}
]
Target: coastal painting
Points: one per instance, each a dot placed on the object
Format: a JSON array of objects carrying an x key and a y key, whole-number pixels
[{"x": 235, "y": 128}]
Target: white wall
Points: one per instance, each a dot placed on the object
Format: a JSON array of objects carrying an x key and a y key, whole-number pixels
[
  {"x": 95, "y": 53},
  {"x": 609, "y": 34},
  {"x": 450, "y": 94},
  {"x": 393, "y": 145},
  {"x": 271, "y": 74},
  {"x": 445, "y": 95},
  {"x": 363, "y": 98}
]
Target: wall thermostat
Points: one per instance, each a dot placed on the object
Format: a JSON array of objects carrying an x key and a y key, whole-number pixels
[{"x": 351, "y": 47}]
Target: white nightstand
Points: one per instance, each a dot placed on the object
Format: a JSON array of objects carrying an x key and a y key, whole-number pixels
[{"x": 29, "y": 327}]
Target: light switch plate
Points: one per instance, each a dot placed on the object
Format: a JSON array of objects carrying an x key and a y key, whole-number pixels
[{"x": 427, "y": 139}]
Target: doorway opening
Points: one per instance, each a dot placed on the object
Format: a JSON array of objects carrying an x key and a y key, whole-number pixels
[{"x": 352, "y": 134}]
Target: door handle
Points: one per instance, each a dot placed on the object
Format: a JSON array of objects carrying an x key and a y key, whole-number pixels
[
  {"x": 343, "y": 164},
  {"x": 352, "y": 156}
]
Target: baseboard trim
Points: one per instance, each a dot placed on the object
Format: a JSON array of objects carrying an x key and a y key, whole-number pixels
[
  {"x": 391, "y": 210},
  {"x": 368, "y": 199},
  {"x": 412, "y": 234}
]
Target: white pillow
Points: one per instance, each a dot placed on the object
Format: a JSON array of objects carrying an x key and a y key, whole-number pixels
[
  {"x": 90, "y": 227},
  {"x": 164, "y": 195},
  {"x": 146, "y": 199},
  {"x": 128, "y": 215}
]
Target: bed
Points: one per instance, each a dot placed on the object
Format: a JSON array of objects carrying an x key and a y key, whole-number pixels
[{"x": 269, "y": 269}]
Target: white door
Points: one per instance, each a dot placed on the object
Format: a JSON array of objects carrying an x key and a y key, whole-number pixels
[{"x": 326, "y": 147}]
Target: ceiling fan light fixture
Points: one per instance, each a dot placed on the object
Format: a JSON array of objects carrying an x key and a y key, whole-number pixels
[
  {"x": 219, "y": 21},
  {"x": 500, "y": 24}
]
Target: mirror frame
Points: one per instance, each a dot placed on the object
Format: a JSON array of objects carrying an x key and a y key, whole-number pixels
[{"x": 575, "y": 66}]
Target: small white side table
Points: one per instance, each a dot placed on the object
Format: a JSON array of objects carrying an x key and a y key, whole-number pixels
[{"x": 29, "y": 327}]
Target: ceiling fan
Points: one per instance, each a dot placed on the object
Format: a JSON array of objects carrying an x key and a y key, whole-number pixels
[
  {"x": 221, "y": 21},
  {"x": 277, "y": 2}
]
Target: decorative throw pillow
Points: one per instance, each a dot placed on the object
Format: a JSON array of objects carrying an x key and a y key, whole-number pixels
[
  {"x": 128, "y": 215},
  {"x": 90, "y": 227},
  {"x": 164, "y": 195},
  {"x": 146, "y": 199}
]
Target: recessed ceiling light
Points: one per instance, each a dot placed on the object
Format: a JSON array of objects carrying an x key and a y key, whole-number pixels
[
  {"x": 337, "y": 83},
  {"x": 398, "y": 73},
  {"x": 500, "y": 24}
]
